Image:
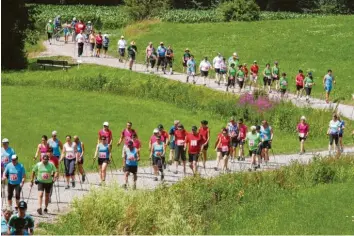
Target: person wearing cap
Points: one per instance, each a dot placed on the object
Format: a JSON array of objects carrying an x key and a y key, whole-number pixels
[
  {"x": 233, "y": 132},
  {"x": 267, "y": 77},
  {"x": 233, "y": 60},
  {"x": 156, "y": 153},
  {"x": 15, "y": 173},
  {"x": 194, "y": 143},
  {"x": 126, "y": 135},
  {"x": 99, "y": 41},
  {"x": 92, "y": 41},
  {"x": 149, "y": 56},
  {"x": 186, "y": 56},
  {"x": 231, "y": 77},
  {"x": 104, "y": 154},
  {"x": 242, "y": 132},
  {"x": 42, "y": 148},
  {"x": 328, "y": 81},
  {"x": 122, "y": 44},
  {"x": 132, "y": 51},
  {"x": 131, "y": 159},
  {"x": 49, "y": 28},
  {"x": 169, "y": 58},
  {"x": 204, "y": 131},
  {"x": 254, "y": 73},
  {"x": 254, "y": 142},
  {"x": 161, "y": 57},
  {"x": 71, "y": 159},
  {"x": 276, "y": 75},
  {"x": 283, "y": 82},
  {"x": 240, "y": 74},
  {"x": 46, "y": 174},
  {"x": 155, "y": 134},
  {"x": 80, "y": 147},
  {"x": 5, "y": 217},
  {"x": 299, "y": 80},
  {"x": 56, "y": 146},
  {"x": 73, "y": 27},
  {"x": 303, "y": 129},
  {"x": 105, "y": 44},
  {"x": 191, "y": 68},
  {"x": 308, "y": 83},
  {"x": 333, "y": 133},
  {"x": 105, "y": 132},
  {"x": 21, "y": 223},
  {"x": 180, "y": 154},
  {"x": 267, "y": 138},
  {"x": 223, "y": 150},
  {"x": 6, "y": 153},
  {"x": 217, "y": 64},
  {"x": 171, "y": 142},
  {"x": 204, "y": 68}
]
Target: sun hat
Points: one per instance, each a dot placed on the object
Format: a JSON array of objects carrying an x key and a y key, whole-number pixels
[
  {"x": 122, "y": 37},
  {"x": 234, "y": 54},
  {"x": 50, "y": 21},
  {"x": 89, "y": 22},
  {"x": 156, "y": 131},
  {"x": 54, "y": 132},
  {"x": 303, "y": 118},
  {"x": 105, "y": 123},
  {"x": 161, "y": 43},
  {"x": 254, "y": 61},
  {"x": 5, "y": 140},
  {"x": 253, "y": 128},
  {"x": 176, "y": 122},
  {"x": 187, "y": 49}
]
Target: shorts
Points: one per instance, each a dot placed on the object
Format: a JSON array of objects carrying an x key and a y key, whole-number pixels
[
  {"x": 49, "y": 35},
  {"x": 223, "y": 153},
  {"x": 267, "y": 145},
  {"x": 302, "y": 138},
  {"x": 283, "y": 91},
  {"x": 98, "y": 46},
  {"x": 217, "y": 70},
  {"x": 253, "y": 78},
  {"x": 161, "y": 61},
  {"x": 101, "y": 161},
  {"x": 206, "y": 146},
  {"x": 234, "y": 142},
  {"x": 299, "y": 87},
  {"x": 335, "y": 138},
  {"x": 180, "y": 153},
  {"x": 340, "y": 135},
  {"x": 45, "y": 187},
  {"x": 81, "y": 162},
  {"x": 10, "y": 191},
  {"x": 231, "y": 81},
  {"x": 267, "y": 81},
  {"x": 131, "y": 169},
  {"x": 222, "y": 72},
  {"x": 157, "y": 161},
  {"x": 92, "y": 46},
  {"x": 152, "y": 63},
  {"x": 240, "y": 83},
  {"x": 275, "y": 78},
  {"x": 105, "y": 48},
  {"x": 169, "y": 61},
  {"x": 55, "y": 161},
  {"x": 254, "y": 152},
  {"x": 193, "y": 157},
  {"x": 184, "y": 63},
  {"x": 328, "y": 88},
  {"x": 69, "y": 165},
  {"x": 308, "y": 91},
  {"x": 204, "y": 73},
  {"x": 132, "y": 57},
  {"x": 121, "y": 51}
]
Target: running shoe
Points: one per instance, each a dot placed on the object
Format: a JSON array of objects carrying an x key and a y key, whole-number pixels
[
  {"x": 83, "y": 178},
  {"x": 39, "y": 211},
  {"x": 45, "y": 210},
  {"x": 156, "y": 179},
  {"x": 73, "y": 184},
  {"x": 67, "y": 187}
]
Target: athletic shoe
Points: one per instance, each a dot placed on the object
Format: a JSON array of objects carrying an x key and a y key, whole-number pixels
[
  {"x": 204, "y": 84},
  {"x": 162, "y": 177},
  {"x": 194, "y": 82},
  {"x": 156, "y": 179},
  {"x": 219, "y": 83},
  {"x": 187, "y": 80},
  {"x": 45, "y": 210},
  {"x": 134, "y": 186},
  {"x": 215, "y": 168},
  {"x": 164, "y": 166},
  {"x": 176, "y": 172},
  {"x": 249, "y": 169},
  {"x": 243, "y": 158},
  {"x": 238, "y": 158},
  {"x": 39, "y": 211},
  {"x": 67, "y": 187},
  {"x": 83, "y": 178},
  {"x": 73, "y": 184},
  {"x": 124, "y": 186}
]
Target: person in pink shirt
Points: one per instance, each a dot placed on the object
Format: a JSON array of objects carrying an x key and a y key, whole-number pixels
[
  {"x": 126, "y": 135},
  {"x": 136, "y": 143},
  {"x": 99, "y": 41},
  {"x": 303, "y": 130},
  {"x": 105, "y": 132},
  {"x": 153, "y": 138},
  {"x": 241, "y": 137},
  {"x": 299, "y": 79}
]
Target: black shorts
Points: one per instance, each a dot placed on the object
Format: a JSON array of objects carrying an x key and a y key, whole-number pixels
[
  {"x": 161, "y": 61},
  {"x": 299, "y": 87},
  {"x": 132, "y": 57},
  {"x": 49, "y": 35},
  {"x": 267, "y": 81},
  {"x": 131, "y": 169},
  {"x": 231, "y": 81},
  {"x": 302, "y": 138},
  {"x": 193, "y": 157},
  {"x": 340, "y": 135},
  {"x": 169, "y": 61},
  {"x": 10, "y": 191},
  {"x": 105, "y": 48},
  {"x": 335, "y": 138},
  {"x": 101, "y": 161},
  {"x": 275, "y": 78},
  {"x": 157, "y": 161},
  {"x": 121, "y": 51},
  {"x": 255, "y": 152},
  {"x": 206, "y": 146},
  {"x": 46, "y": 187},
  {"x": 217, "y": 70},
  {"x": 98, "y": 46},
  {"x": 152, "y": 63},
  {"x": 184, "y": 63},
  {"x": 267, "y": 145},
  {"x": 223, "y": 153},
  {"x": 204, "y": 73},
  {"x": 308, "y": 91},
  {"x": 240, "y": 83},
  {"x": 283, "y": 91},
  {"x": 234, "y": 142},
  {"x": 180, "y": 153},
  {"x": 81, "y": 162}
]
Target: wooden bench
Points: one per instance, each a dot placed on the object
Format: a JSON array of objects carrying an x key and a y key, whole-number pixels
[{"x": 52, "y": 63}]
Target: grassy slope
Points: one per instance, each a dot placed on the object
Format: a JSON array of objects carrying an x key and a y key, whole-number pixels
[{"x": 310, "y": 44}]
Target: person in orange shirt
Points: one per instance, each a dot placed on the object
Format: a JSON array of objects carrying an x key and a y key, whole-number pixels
[{"x": 245, "y": 71}]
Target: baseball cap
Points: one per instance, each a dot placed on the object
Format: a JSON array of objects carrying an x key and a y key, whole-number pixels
[
  {"x": 54, "y": 132},
  {"x": 5, "y": 140},
  {"x": 176, "y": 122},
  {"x": 89, "y": 22},
  {"x": 14, "y": 157},
  {"x": 234, "y": 54},
  {"x": 122, "y": 37},
  {"x": 156, "y": 131},
  {"x": 105, "y": 123},
  {"x": 254, "y": 61},
  {"x": 276, "y": 62},
  {"x": 50, "y": 21},
  {"x": 22, "y": 205},
  {"x": 160, "y": 126},
  {"x": 161, "y": 42},
  {"x": 105, "y": 35},
  {"x": 253, "y": 128},
  {"x": 303, "y": 118},
  {"x": 187, "y": 49},
  {"x": 194, "y": 128}
]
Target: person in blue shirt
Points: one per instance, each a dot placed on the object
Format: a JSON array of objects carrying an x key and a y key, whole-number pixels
[
  {"x": 73, "y": 24},
  {"x": 157, "y": 152},
  {"x": 56, "y": 146},
  {"x": 6, "y": 153},
  {"x": 328, "y": 81},
  {"x": 105, "y": 44},
  {"x": 131, "y": 159},
  {"x": 5, "y": 217},
  {"x": 16, "y": 175},
  {"x": 341, "y": 132},
  {"x": 161, "y": 57}
]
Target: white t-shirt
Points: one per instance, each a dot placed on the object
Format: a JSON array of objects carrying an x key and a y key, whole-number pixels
[
  {"x": 204, "y": 65},
  {"x": 122, "y": 43},
  {"x": 70, "y": 150},
  {"x": 217, "y": 62},
  {"x": 80, "y": 38}
]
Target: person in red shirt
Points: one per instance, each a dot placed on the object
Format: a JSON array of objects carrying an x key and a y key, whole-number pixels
[
  {"x": 153, "y": 138},
  {"x": 254, "y": 73},
  {"x": 223, "y": 149},
  {"x": 105, "y": 132},
  {"x": 204, "y": 131},
  {"x": 180, "y": 139},
  {"x": 136, "y": 143},
  {"x": 194, "y": 142},
  {"x": 80, "y": 26},
  {"x": 241, "y": 137},
  {"x": 299, "y": 79},
  {"x": 127, "y": 135},
  {"x": 99, "y": 41}
]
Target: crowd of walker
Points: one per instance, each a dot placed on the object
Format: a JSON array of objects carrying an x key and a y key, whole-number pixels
[
  {"x": 229, "y": 71},
  {"x": 51, "y": 152}
]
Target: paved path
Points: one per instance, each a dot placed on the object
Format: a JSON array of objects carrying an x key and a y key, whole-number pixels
[{"x": 61, "y": 49}]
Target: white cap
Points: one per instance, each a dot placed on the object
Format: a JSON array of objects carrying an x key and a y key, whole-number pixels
[
  {"x": 89, "y": 22},
  {"x": 50, "y": 21},
  {"x": 105, "y": 123},
  {"x": 122, "y": 37},
  {"x": 176, "y": 122},
  {"x": 14, "y": 157},
  {"x": 74, "y": 18},
  {"x": 303, "y": 118},
  {"x": 234, "y": 54},
  {"x": 105, "y": 35},
  {"x": 253, "y": 128},
  {"x": 54, "y": 132},
  {"x": 156, "y": 131},
  {"x": 5, "y": 140}
]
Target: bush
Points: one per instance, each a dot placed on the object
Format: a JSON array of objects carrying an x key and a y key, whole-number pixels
[
  {"x": 239, "y": 10},
  {"x": 145, "y": 9},
  {"x": 189, "y": 16}
]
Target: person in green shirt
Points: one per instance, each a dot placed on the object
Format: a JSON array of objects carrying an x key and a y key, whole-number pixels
[
  {"x": 50, "y": 29},
  {"x": 267, "y": 77},
  {"x": 308, "y": 82},
  {"x": 45, "y": 173},
  {"x": 231, "y": 77},
  {"x": 275, "y": 75},
  {"x": 240, "y": 77},
  {"x": 186, "y": 56},
  {"x": 254, "y": 141},
  {"x": 283, "y": 84}
]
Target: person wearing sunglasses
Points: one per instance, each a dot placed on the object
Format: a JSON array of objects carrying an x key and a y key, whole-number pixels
[
  {"x": 42, "y": 148},
  {"x": 15, "y": 173},
  {"x": 56, "y": 146},
  {"x": 104, "y": 154}
]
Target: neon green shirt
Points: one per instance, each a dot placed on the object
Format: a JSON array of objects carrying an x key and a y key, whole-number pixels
[
  {"x": 44, "y": 172},
  {"x": 240, "y": 74},
  {"x": 50, "y": 28},
  {"x": 275, "y": 70},
  {"x": 308, "y": 82},
  {"x": 253, "y": 140},
  {"x": 283, "y": 83},
  {"x": 232, "y": 71},
  {"x": 267, "y": 71}
]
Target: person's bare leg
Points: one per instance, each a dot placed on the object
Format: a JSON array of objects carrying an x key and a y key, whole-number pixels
[{"x": 40, "y": 199}]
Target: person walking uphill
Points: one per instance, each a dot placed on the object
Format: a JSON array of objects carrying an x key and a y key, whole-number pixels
[
  {"x": 131, "y": 159},
  {"x": 161, "y": 57},
  {"x": 99, "y": 41},
  {"x": 71, "y": 160},
  {"x": 158, "y": 150},
  {"x": 50, "y": 30},
  {"x": 56, "y": 145},
  {"x": 105, "y": 44},
  {"x": 328, "y": 81},
  {"x": 21, "y": 223},
  {"x": 80, "y": 39},
  {"x": 104, "y": 154},
  {"x": 132, "y": 51},
  {"x": 303, "y": 130},
  {"x": 122, "y": 44},
  {"x": 6, "y": 154},
  {"x": 180, "y": 154}
]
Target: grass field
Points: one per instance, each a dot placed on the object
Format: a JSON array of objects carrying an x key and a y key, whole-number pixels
[{"x": 315, "y": 44}]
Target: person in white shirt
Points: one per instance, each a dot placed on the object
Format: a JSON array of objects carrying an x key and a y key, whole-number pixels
[
  {"x": 204, "y": 68},
  {"x": 121, "y": 48},
  {"x": 80, "y": 39},
  {"x": 217, "y": 64}
]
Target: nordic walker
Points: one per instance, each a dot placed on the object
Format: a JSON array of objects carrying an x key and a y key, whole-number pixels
[
  {"x": 328, "y": 81},
  {"x": 42, "y": 148},
  {"x": 105, "y": 44},
  {"x": 234, "y": 60},
  {"x": 276, "y": 75},
  {"x": 73, "y": 27},
  {"x": 50, "y": 30},
  {"x": 216, "y": 64},
  {"x": 45, "y": 174},
  {"x": 283, "y": 83},
  {"x": 126, "y": 135},
  {"x": 56, "y": 146},
  {"x": 132, "y": 51},
  {"x": 308, "y": 84},
  {"x": 80, "y": 155},
  {"x": 92, "y": 41},
  {"x": 99, "y": 42},
  {"x": 223, "y": 71},
  {"x": 299, "y": 79},
  {"x": 180, "y": 154},
  {"x": 104, "y": 154},
  {"x": 161, "y": 57},
  {"x": 267, "y": 138},
  {"x": 80, "y": 39},
  {"x": 267, "y": 77},
  {"x": 69, "y": 154},
  {"x": 21, "y": 223},
  {"x": 333, "y": 132},
  {"x": 233, "y": 133},
  {"x": 194, "y": 143},
  {"x": 66, "y": 31},
  {"x": 150, "y": 60},
  {"x": 6, "y": 154},
  {"x": 185, "y": 58},
  {"x": 169, "y": 59},
  {"x": 156, "y": 153},
  {"x": 303, "y": 129},
  {"x": 240, "y": 77},
  {"x": 172, "y": 142},
  {"x": 204, "y": 68},
  {"x": 242, "y": 132},
  {"x": 231, "y": 75},
  {"x": 191, "y": 68},
  {"x": 254, "y": 142},
  {"x": 131, "y": 159},
  {"x": 223, "y": 150},
  {"x": 122, "y": 44},
  {"x": 204, "y": 131},
  {"x": 254, "y": 73},
  {"x": 105, "y": 132}
]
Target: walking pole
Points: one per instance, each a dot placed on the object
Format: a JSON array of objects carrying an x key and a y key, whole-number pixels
[
  {"x": 56, "y": 196},
  {"x": 23, "y": 198},
  {"x": 29, "y": 194},
  {"x": 3, "y": 193},
  {"x": 78, "y": 173},
  {"x": 58, "y": 189}
]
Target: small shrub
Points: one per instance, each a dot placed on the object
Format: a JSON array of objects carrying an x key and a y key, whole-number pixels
[
  {"x": 239, "y": 10},
  {"x": 144, "y": 9}
]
